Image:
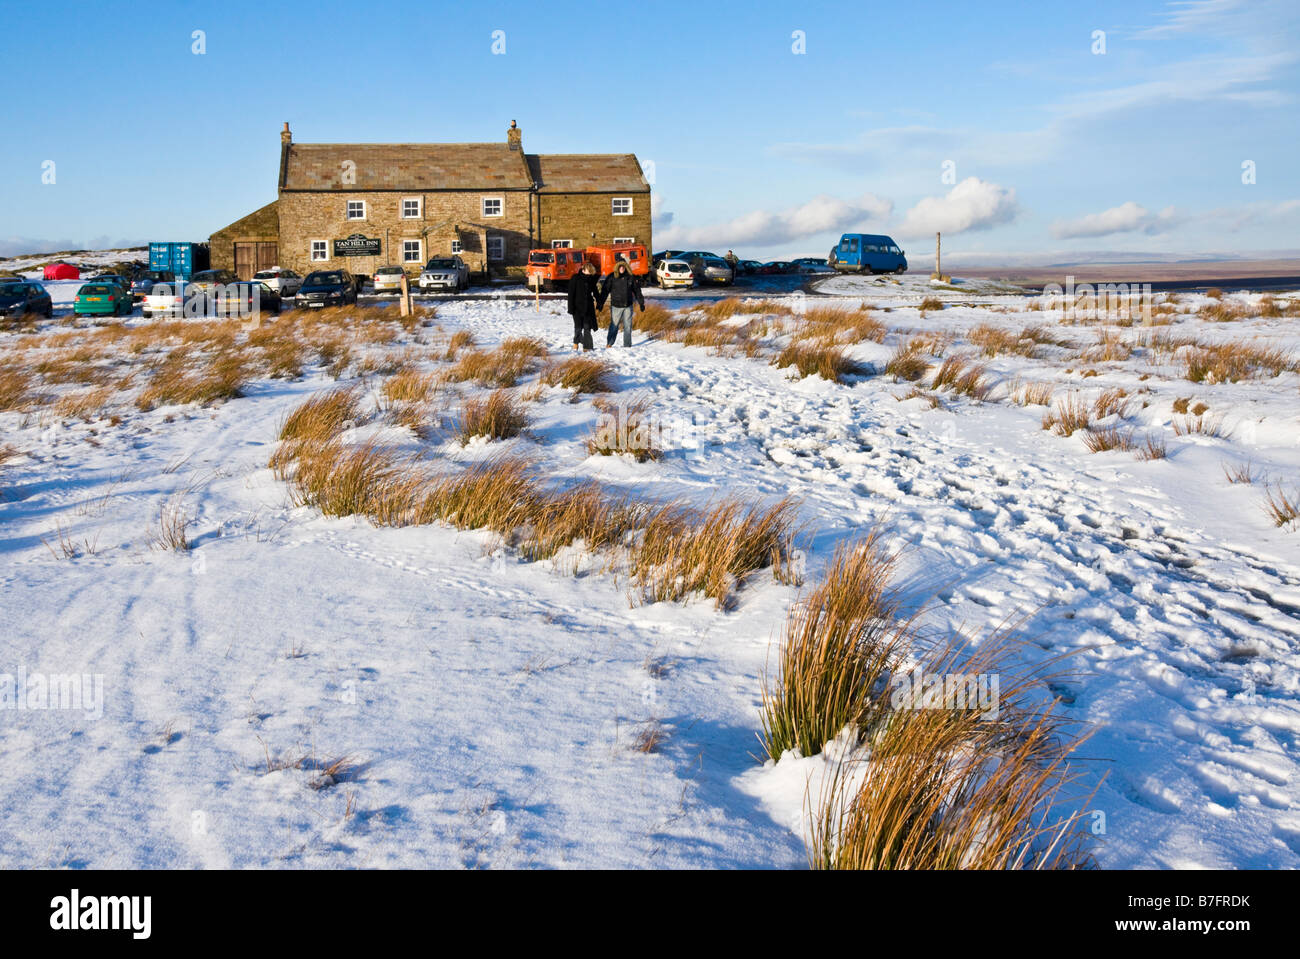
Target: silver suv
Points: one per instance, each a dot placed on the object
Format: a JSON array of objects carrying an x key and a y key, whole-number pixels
[{"x": 445, "y": 273}]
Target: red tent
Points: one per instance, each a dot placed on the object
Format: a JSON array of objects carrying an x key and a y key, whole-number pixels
[{"x": 62, "y": 271}]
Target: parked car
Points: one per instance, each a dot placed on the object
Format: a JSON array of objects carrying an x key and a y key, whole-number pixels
[
  {"x": 778, "y": 267},
  {"x": 812, "y": 264},
  {"x": 145, "y": 282},
  {"x": 867, "y": 253},
  {"x": 748, "y": 267},
  {"x": 548, "y": 269},
  {"x": 388, "y": 279},
  {"x": 102, "y": 299},
  {"x": 665, "y": 255},
  {"x": 206, "y": 281},
  {"x": 673, "y": 273},
  {"x": 243, "y": 298},
  {"x": 445, "y": 273},
  {"x": 116, "y": 278},
  {"x": 284, "y": 282},
  {"x": 20, "y": 299},
  {"x": 327, "y": 288},
  {"x": 163, "y": 299},
  {"x": 713, "y": 269},
  {"x": 607, "y": 257}
]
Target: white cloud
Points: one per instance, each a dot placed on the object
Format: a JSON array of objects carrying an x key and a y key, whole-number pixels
[
  {"x": 760, "y": 228},
  {"x": 973, "y": 204},
  {"x": 1128, "y": 217}
]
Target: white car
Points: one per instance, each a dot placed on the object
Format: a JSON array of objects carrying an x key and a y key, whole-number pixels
[
  {"x": 445, "y": 273},
  {"x": 673, "y": 273},
  {"x": 284, "y": 282},
  {"x": 388, "y": 279},
  {"x": 163, "y": 299}
]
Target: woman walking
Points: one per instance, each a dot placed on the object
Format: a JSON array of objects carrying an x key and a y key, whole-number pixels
[{"x": 582, "y": 306}]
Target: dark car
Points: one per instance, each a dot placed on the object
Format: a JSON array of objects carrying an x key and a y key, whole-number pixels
[
  {"x": 748, "y": 267},
  {"x": 327, "y": 288},
  {"x": 778, "y": 267},
  {"x": 696, "y": 254},
  {"x": 206, "y": 281},
  {"x": 242, "y": 298},
  {"x": 117, "y": 278},
  {"x": 814, "y": 264},
  {"x": 19, "y": 299},
  {"x": 144, "y": 282}
]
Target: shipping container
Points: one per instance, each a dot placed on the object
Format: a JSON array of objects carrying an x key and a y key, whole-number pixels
[{"x": 183, "y": 259}]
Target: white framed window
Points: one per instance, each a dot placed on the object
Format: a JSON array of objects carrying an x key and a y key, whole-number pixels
[
  {"x": 496, "y": 247},
  {"x": 455, "y": 246},
  {"x": 412, "y": 251},
  {"x": 561, "y": 244},
  {"x": 320, "y": 251},
  {"x": 412, "y": 208},
  {"x": 356, "y": 209},
  {"x": 621, "y": 206},
  {"x": 493, "y": 206},
  {"x": 624, "y": 239}
]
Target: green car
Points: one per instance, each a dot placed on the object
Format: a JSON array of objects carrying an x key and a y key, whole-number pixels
[{"x": 102, "y": 299}]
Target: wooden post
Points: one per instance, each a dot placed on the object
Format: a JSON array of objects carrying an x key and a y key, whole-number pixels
[
  {"x": 404, "y": 305},
  {"x": 937, "y": 268}
]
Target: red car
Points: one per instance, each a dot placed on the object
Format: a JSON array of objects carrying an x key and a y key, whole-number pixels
[{"x": 777, "y": 267}]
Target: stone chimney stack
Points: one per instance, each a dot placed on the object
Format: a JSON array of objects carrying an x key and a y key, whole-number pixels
[
  {"x": 285, "y": 136},
  {"x": 515, "y": 137}
]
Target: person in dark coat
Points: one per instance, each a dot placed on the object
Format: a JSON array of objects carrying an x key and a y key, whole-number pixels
[
  {"x": 621, "y": 289},
  {"x": 582, "y": 305}
]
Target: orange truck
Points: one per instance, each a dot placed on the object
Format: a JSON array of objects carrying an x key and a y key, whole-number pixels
[
  {"x": 605, "y": 257},
  {"x": 547, "y": 268}
]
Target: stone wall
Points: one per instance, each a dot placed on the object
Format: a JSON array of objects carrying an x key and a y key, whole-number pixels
[{"x": 587, "y": 218}]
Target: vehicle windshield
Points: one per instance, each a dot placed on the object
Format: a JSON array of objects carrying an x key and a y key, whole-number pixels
[
  {"x": 14, "y": 289},
  {"x": 266, "y": 275},
  {"x": 715, "y": 263},
  {"x": 541, "y": 258},
  {"x": 161, "y": 289},
  {"x": 323, "y": 279},
  {"x": 389, "y": 271},
  {"x": 443, "y": 264}
]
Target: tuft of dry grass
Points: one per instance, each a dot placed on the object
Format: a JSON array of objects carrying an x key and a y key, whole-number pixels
[
  {"x": 1101, "y": 439},
  {"x": 930, "y": 303},
  {"x": 907, "y": 362},
  {"x": 1203, "y": 425},
  {"x": 1112, "y": 402},
  {"x": 172, "y": 531},
  {"x": 460, "y": 340},
  {"x": 16, "y": 384},
  {"x": 1234, "y": 361},
  {"x": 409, "y": 386},
  {"x": 829, "y": 362},
  {"x": 1282, "y": 508},
  {"x": 625, "y": 428},
  {"x": 582, "y": 374},
  {"x": 1034, "y": 394},
  {"x": 315, "y": 423},
  {"x": 86, "y": 404},
  {"x": 650, "y": 738},
  {"x": 501, "y": 367},
  {"x": 1070, "y": 415},
  {"x": 839, "y": 642},
  {"x": 1152, "y": 448},
  {"x": 179, "y": 381},
  {"x": 944, "y": 788},
  {"x": 1240, "y": 472},
  {"x": 498, "y": 416}
]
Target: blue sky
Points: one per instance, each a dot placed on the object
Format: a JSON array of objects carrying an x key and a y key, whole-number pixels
[{"x": 995, "y": 122}]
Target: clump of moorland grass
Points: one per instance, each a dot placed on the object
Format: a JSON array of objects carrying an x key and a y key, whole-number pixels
[
  {"x": 907, "y": 363},
  {"x": 1204, "y": 425},
  {"x": 1282, "y": 508},
  {"x": 582, "y": 374},
  {"x": 1152, "y": 448},
  {"x": 828, "y": 325},
  {"x": 684, "y": 551},
  {"x": 460, "y": 340},
  {"x": 947, "y": 786},
  {"x": 501, "y": 367},
  {"x": 930, "y": 303},
  {"x": 1230, "y": 362},
  {"x": 1070, "y": 415},
  {"x": 829, "y": 362},
  {"x": 838, "y": 645},
  {"x": 84, "y": 404},
  {"x": 315, "y": 423},
  {"x": 16, "y": 387},
  {"x": 1033, "y": 394},
  {"x": 1240, "y": 472},
  {"x": 409, "y": 386},
  {"x": 498, "y": 416},
  {"x": 178, "y": 381},
  {"x": 958, "y": 375},
  {"x": 626, "y": 429}
]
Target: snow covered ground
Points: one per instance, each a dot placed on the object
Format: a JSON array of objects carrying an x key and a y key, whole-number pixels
[{"x": 487, "y": 706}]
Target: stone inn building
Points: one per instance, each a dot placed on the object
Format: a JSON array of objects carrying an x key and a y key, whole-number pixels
[{"x": 360, "y": 206}]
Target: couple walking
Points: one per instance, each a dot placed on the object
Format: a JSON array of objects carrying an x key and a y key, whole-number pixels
[{"x": 587, "y": 298}]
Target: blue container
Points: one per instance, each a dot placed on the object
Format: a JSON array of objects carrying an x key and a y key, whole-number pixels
[{"x": 183, "y": 259}]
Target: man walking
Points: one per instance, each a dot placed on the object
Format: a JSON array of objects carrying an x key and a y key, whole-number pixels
[
  {"x": 582, "y": 306},
  {"x": 621, "y": 289}
]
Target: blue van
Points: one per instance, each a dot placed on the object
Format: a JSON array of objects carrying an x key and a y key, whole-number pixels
[{"x": 867, "y": 253}]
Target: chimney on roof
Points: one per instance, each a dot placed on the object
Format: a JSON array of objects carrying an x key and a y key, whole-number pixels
[
  {"x": 515, "y": 137},
  {"x": 285, "y": 136}
]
